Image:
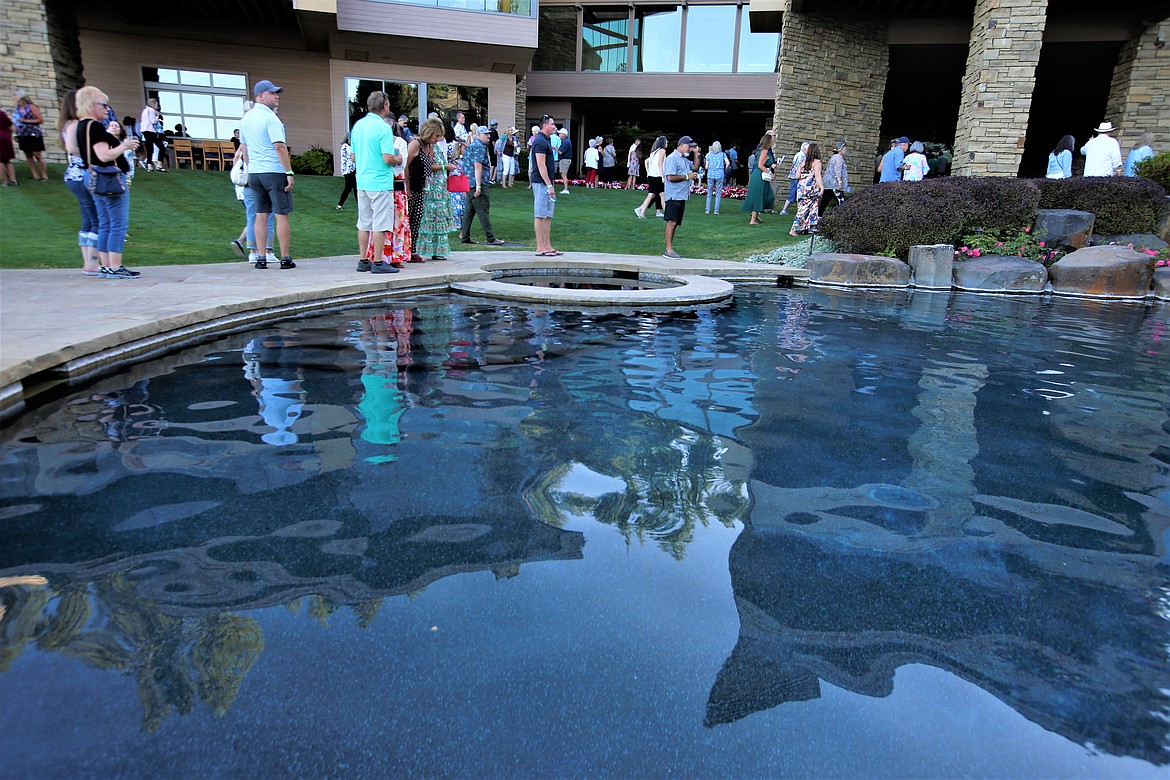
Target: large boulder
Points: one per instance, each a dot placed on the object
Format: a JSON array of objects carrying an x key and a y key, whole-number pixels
[
  {"x": 932, "y": 265},
  {"x": 1103, "y": 271},
  {"x": 841, "y": 270},
  {"x": 1065, "y": 227},
  {"x": 1139, "y": 241},
  {"x": 993, "y": 273},
  {"x": 1162, "y": 283}
]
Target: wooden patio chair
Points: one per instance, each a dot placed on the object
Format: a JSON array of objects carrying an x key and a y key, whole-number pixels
[
  {"x": 184, "y": 152},
  {"x": 212, "y": 155}
]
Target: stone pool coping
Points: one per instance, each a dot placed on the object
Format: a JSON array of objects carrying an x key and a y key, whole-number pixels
[{"x": 58, "y": 325}]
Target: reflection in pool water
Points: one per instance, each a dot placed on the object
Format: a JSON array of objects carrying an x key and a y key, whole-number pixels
[{"x": 814, "y": 533}]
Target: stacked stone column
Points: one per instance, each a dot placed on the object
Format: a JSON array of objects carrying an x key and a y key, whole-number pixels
[
  {"x": 1139, "y": 98},
  {"x": 1006, "y": 36},
  {"x": 830, "y": 86}
]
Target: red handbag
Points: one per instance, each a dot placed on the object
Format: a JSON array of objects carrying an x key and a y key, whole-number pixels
[{"x": 457, "y": 182}]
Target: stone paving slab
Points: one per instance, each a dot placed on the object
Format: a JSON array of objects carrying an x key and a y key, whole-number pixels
[{"x": 60, "y": 321}]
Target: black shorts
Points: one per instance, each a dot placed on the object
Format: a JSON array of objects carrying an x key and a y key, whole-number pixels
[
  {"x": 268, "y": 189},
  {"x": 657, "y": 185},
  {"x": 31, "y": 143},
  {"x": 674, "y": 211}
]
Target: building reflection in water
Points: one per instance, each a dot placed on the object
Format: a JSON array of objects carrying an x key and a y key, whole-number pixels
[{"x": 979, "y": 486}]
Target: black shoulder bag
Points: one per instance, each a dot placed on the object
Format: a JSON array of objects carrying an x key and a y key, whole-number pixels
[{"x": 105, "y": 181}]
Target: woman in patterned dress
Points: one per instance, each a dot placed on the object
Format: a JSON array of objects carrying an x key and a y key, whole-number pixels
[
  {"x": 809, "y": 187},
  {"x": 438, "y": 219}
]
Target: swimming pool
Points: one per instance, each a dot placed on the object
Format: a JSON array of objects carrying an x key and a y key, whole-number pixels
[{"x": 811, "y": 533}]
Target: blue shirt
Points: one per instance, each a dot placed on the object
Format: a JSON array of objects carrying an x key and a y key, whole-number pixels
[
  {"x": 732, "y": 160},
  {"x": 566, "y": 148},
  {"x": 679, "y": 166},
  {"x": 371, "y": 138},
  {"x": 260, "y": 129},
  {"x": 892, "y": 163},
  {"x": 477, "y": 153},
  {"x": 1135, "y": 157},
  {"x": 541, "y": 145},
  {"x": 1060, "y": 165},
  {"x": 716, "y": 164}
]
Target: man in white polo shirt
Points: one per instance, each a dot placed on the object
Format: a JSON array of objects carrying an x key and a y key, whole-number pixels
[
  {"x": 270, "y": 173},
  {"x": 375, "y": 158}
]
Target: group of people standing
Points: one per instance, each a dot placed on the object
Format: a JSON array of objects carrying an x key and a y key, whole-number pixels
[
  {"x": 812, "y": 186},
  {"x": 1102, "y": 154}
]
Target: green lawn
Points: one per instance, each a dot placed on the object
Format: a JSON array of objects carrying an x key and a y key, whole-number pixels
[{"x": 185, "y": 217}]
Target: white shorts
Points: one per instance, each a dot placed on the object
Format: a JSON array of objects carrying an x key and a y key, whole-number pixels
[{"x": 375, "y": 210}]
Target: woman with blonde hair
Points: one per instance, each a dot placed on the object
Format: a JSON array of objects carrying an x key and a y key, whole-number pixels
[
  {"x": 87, "y": 235},
  {"x": 1142, "y": 150},
  {"x": 438, "y": 219},
  {"x": 98, "y": 147}
]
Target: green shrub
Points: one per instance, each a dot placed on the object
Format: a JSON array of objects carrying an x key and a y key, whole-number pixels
[
  {"x": 315, "y": 162},
  {"x": 1122, "y": 204},
  {"x": 1156, "y": 169},
  {"x": 893, "y": 217}
]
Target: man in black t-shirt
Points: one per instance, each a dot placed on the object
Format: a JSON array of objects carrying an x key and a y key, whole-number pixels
[{"x": 544, "y": 190}]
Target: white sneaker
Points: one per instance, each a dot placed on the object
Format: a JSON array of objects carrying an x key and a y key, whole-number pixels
[
  {"x": 639, "y": 213},
  {"x": 271, "y": 258},
  {"x": 253, "y": 257},
  {"x": 564, "y": 192},
  {"x": 660, "y": 213}
]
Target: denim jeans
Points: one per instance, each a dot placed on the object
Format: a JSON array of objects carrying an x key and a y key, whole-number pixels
[
  {"x": 112, "y": 213},
  {"x": 714, "y": 187},
  {"x": 89, "y": 215},
  {"x": 250, "y": 229}
]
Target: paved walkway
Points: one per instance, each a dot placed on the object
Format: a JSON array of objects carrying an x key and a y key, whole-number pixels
[{"x": 58, "y": 323}]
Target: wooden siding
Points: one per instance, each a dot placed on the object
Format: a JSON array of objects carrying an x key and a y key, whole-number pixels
[
  {"x": 416, "y": 21},
  {"x": 690, "y": 86},
  {"x": 114, "y": 61}
]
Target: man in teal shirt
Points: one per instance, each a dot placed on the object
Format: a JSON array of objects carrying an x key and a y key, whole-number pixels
[{"x": 373, "y": 151}]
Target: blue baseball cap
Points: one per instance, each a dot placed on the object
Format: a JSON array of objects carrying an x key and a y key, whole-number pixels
[{"x": 265, "y": 86}]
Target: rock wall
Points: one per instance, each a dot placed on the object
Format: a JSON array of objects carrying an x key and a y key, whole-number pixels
[
  {"x": 830, "y": 86},
  {"x": 997, "y": 87},
  {"x": 1139, "y": 98}
]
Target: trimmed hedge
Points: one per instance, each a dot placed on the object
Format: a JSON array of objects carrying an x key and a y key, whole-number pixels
[
  {"x": 890, "y": 218},
  {"x": 1122, "y": 204}
]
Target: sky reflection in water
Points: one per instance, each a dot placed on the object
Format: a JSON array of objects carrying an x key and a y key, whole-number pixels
[{"x": 814, "y": 533}]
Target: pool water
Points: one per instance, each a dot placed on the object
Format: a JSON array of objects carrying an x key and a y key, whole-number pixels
[{"x": 812, "y": 533}]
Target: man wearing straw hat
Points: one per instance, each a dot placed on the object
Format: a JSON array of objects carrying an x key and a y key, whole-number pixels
[{"x": 1102, "y": 152}]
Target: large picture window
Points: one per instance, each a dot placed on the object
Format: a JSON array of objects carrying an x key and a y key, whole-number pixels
[
  {"x": 205, "y": 103},
  {"x": 650, "y": 39},
  {"x": 417, "y": 99}
]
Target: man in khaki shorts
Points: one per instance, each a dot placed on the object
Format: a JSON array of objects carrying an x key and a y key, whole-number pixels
[{"x": 372, "y": 140}]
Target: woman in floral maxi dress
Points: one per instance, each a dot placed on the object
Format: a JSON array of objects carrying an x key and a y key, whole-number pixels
[
  {"x": 808, "y": 193},
  {"x": 438, "y": 218}
]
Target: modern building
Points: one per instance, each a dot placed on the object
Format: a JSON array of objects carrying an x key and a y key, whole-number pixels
[{"x": 1000, "y": 80}]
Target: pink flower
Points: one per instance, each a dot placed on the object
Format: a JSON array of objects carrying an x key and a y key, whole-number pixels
[
  {"x": 1041, "y": 243},
  {"x": 999, "y": 243},
  {"x": 975, "y": 253},
  {"x": 963, "y": 249},
  {"x": 1028, "y": 230}
]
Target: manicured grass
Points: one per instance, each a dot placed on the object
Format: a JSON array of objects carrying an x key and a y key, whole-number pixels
[{"x": 183, "y": 217}]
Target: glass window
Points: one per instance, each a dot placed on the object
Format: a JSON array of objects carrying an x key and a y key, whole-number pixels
[
  {"x": 229, "y": 81},
  {"x": 447, "y": 100},
  {"x": 202, "y": 102},
  {"x": 514, "y": 7},
  {"x": 710, "y": 38},
  {"x": 757, "y": 51},
  {"x": 556, "y": 40},
  {"x": 605, "y": 39},
  {"x": 657, "y": 38},
  {"x": 194, "y": 78}
]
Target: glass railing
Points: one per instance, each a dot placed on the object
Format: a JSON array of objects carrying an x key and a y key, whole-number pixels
[{"x": 512, "y": 7}]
